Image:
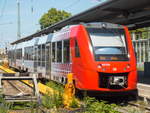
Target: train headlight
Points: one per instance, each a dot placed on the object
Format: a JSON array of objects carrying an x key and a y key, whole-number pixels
[
  {"x": 114, "y": 69},
  {"x": 128, "y": 66},
  {"x": 99, "y": 66}
]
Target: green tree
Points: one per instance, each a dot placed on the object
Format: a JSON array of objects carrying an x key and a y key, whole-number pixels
[
  {"x": 53, "y": 16},
  {"x": 142, "y": 33}
]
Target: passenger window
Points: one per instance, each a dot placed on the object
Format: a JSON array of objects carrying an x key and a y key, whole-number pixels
[
  {"x": 47, "y": 53},
  {"x": 59, "y": 51},
  {"x": 43, "y": 55},
  {"x": 77, "y": 52},
  {"x": 66, "y": 51},
  {"x": 39, "y": 54},
  {"x": 53, "y": 52},
  {"x": 26, "y": 54}
]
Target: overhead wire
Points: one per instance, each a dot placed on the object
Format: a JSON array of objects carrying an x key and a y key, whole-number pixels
[
  {"x": 98, "y": 0},
  {"x": 72, "y": 4},
  {"x": 6, "y": 23}
]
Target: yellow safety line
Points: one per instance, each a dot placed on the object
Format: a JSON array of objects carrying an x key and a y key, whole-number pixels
[
  {"x": 7, "y": 70},
  {"x": 42, "y": 88}
]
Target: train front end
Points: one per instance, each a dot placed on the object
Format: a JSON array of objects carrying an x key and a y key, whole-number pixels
[{"x": 108, "y": 60}]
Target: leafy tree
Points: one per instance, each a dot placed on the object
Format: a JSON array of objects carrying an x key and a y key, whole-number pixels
[
  {"x": 141, "y": 33},
  {"x": 53, "y": 16}
]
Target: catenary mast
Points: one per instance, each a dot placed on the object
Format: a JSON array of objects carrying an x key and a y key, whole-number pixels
[{"x": 18, "y": 20}]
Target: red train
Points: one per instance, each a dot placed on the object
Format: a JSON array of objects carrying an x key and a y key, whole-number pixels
[{"x": 100, "y": 56}]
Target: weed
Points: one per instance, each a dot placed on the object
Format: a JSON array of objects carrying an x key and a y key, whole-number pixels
[
  {"x": 55, "y": 86},
  {"x": 4, "y": 107},
  {"x": 94, "y": 106},
  {"x": 52, "y": 100},
  {"x": 74, "y": 103}
]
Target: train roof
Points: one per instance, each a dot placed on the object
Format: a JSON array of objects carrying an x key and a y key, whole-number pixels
[
  {"x": 30, "y": 42},
  {"x": 19, "y": 46},
  {"x": 102, "y": 25},
  {"x": 49, "y": 38},
  {"x": 132, "y": 13},
  {"x": 42, "y": 39}
]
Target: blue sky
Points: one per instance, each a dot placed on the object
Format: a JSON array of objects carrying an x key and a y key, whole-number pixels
[{"x": 29, "y": 19}]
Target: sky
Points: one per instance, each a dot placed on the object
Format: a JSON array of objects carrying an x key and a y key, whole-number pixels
[{"x": 31, "y": 11}]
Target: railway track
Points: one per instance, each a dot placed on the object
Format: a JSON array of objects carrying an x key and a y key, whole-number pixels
[
  {"x": 22, "y": 88},
  {"x": 15, "y": 90},
  {"x": 138, "y": 106}
]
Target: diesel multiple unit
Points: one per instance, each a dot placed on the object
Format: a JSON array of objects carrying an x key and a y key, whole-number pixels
[{"x": 100, "y": 56}]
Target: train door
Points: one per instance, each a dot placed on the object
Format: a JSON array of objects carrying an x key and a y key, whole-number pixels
[
  {"x": 76, "y": 54},
  {"x": 77, "y": 67},
  {"x": 48, "y": 60}
]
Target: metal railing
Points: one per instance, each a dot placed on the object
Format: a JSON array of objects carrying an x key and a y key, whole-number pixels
[{"x": 142, "y": 49}]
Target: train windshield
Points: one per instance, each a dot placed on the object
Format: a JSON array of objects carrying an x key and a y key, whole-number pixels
[{"x": 109, "y": 44}]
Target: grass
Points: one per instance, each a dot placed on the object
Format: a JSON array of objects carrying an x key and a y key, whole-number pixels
[
  {"x": 74, "y": 103},
  {"x": 52, "y": 101},
  {"x": 4, "y": 107},
  {"x": 91, "y": 105},
  {"x": 23, "y": 105},
  {"x": 55, "y": 86},
  {"x": 55, "y": 100}
]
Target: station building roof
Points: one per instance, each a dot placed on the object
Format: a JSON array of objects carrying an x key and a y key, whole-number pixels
[{"x": 132, "y": 13}]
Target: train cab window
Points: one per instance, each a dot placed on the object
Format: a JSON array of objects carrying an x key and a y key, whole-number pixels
[
  {"x": 59, "y": 51},
  {"x": 77, "y": 52},
  {"x": 66, "y": 51},
  {"x": 109, "y": 44},
  {"x": 53, "y": 52}
]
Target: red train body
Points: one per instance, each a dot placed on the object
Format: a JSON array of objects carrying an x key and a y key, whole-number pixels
[{"x": 89, "y": 73}]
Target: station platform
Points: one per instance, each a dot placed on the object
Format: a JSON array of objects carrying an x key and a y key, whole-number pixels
[{"x": 143, "y": 85}]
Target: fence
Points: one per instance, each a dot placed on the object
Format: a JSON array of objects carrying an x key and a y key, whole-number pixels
[{"x": 142, "y": 49}]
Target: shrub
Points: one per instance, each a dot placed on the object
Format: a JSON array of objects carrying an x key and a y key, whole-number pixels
[
  {"x": 91, "y": 105},
  {"x": 74, "y": 103},
  {"x": 55, "y": 86},
  {"x": 52, "y": 100},
  {"x": 4, "y": 107}
]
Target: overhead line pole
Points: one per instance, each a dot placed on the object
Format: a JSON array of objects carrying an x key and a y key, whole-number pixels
[{"x": 18, "y": 21}]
